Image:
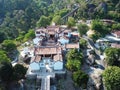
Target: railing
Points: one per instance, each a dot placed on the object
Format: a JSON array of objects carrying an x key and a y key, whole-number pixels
[{"x": 64, "y": 18}]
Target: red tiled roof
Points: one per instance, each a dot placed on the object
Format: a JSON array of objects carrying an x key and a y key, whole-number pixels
[
  {"x": 70, "y": 46},
  {"x": 36, "y": 58},
  {"x": 57, "y": 57},
  {"x": 117, "y": 33},
  {"x": 114, "y": 45},
  {"x": 48, "y": 50},
  {"x": 41, "y": 30},
  {"x": 53, "y": 29}
]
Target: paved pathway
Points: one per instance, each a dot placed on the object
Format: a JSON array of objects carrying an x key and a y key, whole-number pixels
[{"x": 45, "y": 85}]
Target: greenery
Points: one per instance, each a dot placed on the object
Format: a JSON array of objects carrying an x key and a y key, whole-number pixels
[
  {"x": 83, "y": 43},
  {"x": 116, "y": 26},
  {"x": 95, "y": 36},
  {"x": 94, "y": 9},
  {"x": 16, "y": 16},
  {"x": 113, "y": 56},
  {"x": 74, "y": 60},
  {"x": 80, "y": 79},
  {"x": 100, "y": 27},
  {"x": 2, "y": 87},
  {"x": 2, "y": 37},
  {"x": 6, "y": 71},
  {"x": 71, "y": 22},
  {"x": 57, "y": 20},
  {"x": 3, "y": 57},
  {"x": 29, "y": 36},
  {"x": 8, "y": 45},
  {"x": 43, "y": 21},
  {"x": 74, "y": 54},
  {"x": 82, "y": 28},
  {"x": 73, "y": 65},
  {"x": 19, "y": 71},
  {"x": 111, "y": 77}
]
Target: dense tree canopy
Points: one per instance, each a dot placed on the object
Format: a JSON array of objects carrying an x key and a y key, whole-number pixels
[
  {"x": 74, "y": 54},
  {"x": 21, "y": 15},
  {"x": 30, "y": 35},
  {"x": 43, "y": 21},
  {"x": 99, "y": 27},
  {"x": 80, "y": 79},
  {"x": 19, "y": 72},
  {"x": 71, "y": 22},
  {"x": 82, "y": 28},
  {"x": 116, "y": 26},
  {"x": 83, "y": 43},
  {"x": 73, "y": 65},
  {"x": 57, "y": 20},
  {"x": 94, "y": 9},
  {"x": 111, "y": 77},
  {"x": 8, "y": 45},
  {"x": 2, "y": 37},
  {"x": 74, "y": 60},
  {"x": 95, "y": 36},
  {"x": 113, "y": 56},
  {"x": 6, "y": 71},
  {"x": 3, "y": 57}
]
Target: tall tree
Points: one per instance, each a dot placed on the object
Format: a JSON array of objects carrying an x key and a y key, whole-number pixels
[
  {"x": 73, "y": 65},
  {"x": 57, "y": 20},
  {"x": 8, "y": 45},
  {"x": 74, "y": 54},
  {"x": 83, "y": 43},
  {"x": 6, "y": 71},
  {"x": 99, "y": 27},
  {"x": 71, "y": 22},
  {"x": 43, "y": 21},
  {"x": 2, "y": 37},
  {"x": 30, "y": 35},
  {"x": 74, "y": 60},
  {"x": 3, "y": 57},
  {"x": 19, "y": 72},
  {"x": 80, "y": 79},
  {"x": 111, "y": 77},
  {"x": 113, "y": 56},
  {"x": 82, "y": 28}
]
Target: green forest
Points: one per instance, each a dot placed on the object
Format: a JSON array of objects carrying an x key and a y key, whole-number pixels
[{"x": 17, "y": 17}]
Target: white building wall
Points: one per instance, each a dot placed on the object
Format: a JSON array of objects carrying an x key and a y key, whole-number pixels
[
  {"x": 58, "y": 65},
  {"x": 63, "y": 41},
  {"x": 34, "y": 66},
  {"x": 48, "y": 62}
]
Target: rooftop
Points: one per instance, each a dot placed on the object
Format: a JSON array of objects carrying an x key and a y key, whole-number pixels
[
  {"x": 72, "y": 45},
  {"x": 117, "y": 33},
  {"x": 48, "y": 50},
  {"x": 58, "y": 57},
  {"x": 114, "y": 45}
]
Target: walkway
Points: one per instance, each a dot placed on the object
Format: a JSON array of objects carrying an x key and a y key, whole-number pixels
[
  {"x": 45, "y": 75},
  {"x": 45, "y": 85}
]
